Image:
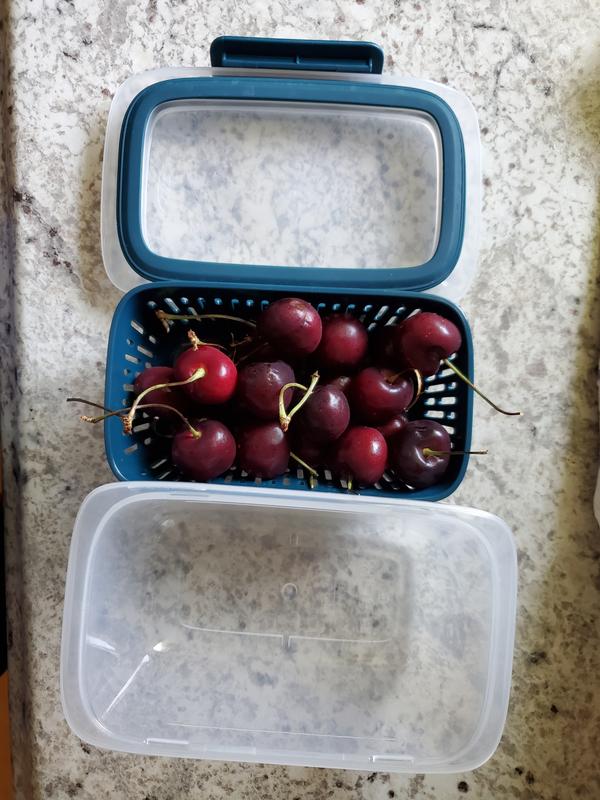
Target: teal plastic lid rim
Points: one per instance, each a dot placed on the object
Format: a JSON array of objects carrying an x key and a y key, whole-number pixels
[{"x": 154, "y": 267}]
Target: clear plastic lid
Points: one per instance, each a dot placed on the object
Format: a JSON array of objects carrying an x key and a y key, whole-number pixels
[
  {"x": 264, "y": 190},
  {"x": 289, "y": 184},
  {"x": 288, "y": 628}
]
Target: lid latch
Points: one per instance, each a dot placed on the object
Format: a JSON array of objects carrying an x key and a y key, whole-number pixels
[{"x": 249, "y": 52}]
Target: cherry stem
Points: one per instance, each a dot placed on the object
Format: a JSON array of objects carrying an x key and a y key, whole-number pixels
[
  {"x": 194, "y": 340},
  {"x": 196, "y": 434},
  {"x": 163, "y": 316},
  {"x": 109, "y": 412},
  {"x": 391, "y": 378},
  {"x": 282, "y": 391},
  {"x": 128, "y": 420},
  {"x": 419, "y": 387},
  {"x": 427, "y": 451},
  {"x": 251, "y": 352},
  {"x": 306, "y": 466},
  {"x": 418, "y": 382},
  {"x": 464, "y": 378},
  {"x": 239, "y": 342},
  {"x": 88, "y": 403},
  {"x": 286, "y": 418}
]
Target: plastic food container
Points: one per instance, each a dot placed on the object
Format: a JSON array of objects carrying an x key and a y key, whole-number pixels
[
  {"x": 225, "y": 188},
  {"x": 288, "y": 627},
  {"x": 268, "y": 623}
]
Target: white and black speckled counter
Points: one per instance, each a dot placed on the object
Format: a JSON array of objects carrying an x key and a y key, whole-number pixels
[{"x": 532, "y": 71}]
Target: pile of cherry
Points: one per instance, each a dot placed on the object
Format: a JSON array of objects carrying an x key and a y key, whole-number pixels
[{"x": 322, "y": 393}]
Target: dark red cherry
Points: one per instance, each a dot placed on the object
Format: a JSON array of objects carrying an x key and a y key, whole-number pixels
[
  {"x": 340, "y": 382},
  {"x": 217, "y": 384},
  {"x": 344, "y": 343},
  {"x": 325, "y": 415},
  {"x": 206, "y": 457},
  {"x": 392, "y": 426},
  {"x": 292, "y": 326},
  {"x": 263, "y": 450},
  {"x": 259, "y": 385},
  {"x": 170, "y": 396},
  {"x": 360, "y": 455},
  {"x": 409, "y": 456},
  {"x": 423, "y": 340},
  {"x": 313, "y": 454},
  {"x": 376, "y": 397}
]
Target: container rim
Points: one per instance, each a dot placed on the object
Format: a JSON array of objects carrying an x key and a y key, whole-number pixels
[
  {"x": 106, "y": 500},
  {"x": 458, "y": 279}
]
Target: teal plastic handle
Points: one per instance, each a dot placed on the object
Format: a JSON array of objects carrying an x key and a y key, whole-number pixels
[{"x": 249, "y": 52}]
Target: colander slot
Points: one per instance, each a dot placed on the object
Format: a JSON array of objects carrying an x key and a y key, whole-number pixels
[
  {"x": 168, "y": 301},
  {"x": 435, "y": 414}
]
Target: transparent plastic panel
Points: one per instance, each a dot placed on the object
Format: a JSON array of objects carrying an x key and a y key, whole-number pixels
[
  {"x": 292, "y": 184},
  {"x": 289, "y": 631}
]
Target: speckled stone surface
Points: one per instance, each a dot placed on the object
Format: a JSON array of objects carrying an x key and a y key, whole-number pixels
[{"x": 532, "y": 70}]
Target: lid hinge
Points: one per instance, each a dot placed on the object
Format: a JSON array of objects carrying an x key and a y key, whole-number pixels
[{"x": 249, "y": 52}]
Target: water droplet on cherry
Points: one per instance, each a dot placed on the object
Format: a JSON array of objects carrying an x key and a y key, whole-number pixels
[
  {"x": 259, "y": 385},
  {"x": 292, "y": 326}
]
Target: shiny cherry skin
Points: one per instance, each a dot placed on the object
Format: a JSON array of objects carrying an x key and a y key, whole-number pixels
[
  {"x": 392, "y": 426},
  {"x": 325, "y": 415},
  {"x": 344, "y": 343},
  {"x": 291, "y": 326},
  {"x": 407, "y": 457},
  {"x": 340, "y": 382},
  {"x": 360, "y": 454},
  {"x": 376, "y": 397},
  {"x": 423, "y": 340},
  {"x": 219, "y": 382},
  {"x": 173, "y": 397},
  {"x": 259, "y": 385},
  {"x": 263, "y": 450},
  {"x": 209, "y": 456}
]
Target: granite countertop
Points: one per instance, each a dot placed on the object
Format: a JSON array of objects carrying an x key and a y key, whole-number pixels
[{"x": 531, "y": 70}]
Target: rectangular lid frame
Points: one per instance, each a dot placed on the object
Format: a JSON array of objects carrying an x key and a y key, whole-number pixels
[{"x": 152, "y": 266}]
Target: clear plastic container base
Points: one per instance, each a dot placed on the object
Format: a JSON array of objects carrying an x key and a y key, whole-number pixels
[{"x": 281, "y": 627}]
